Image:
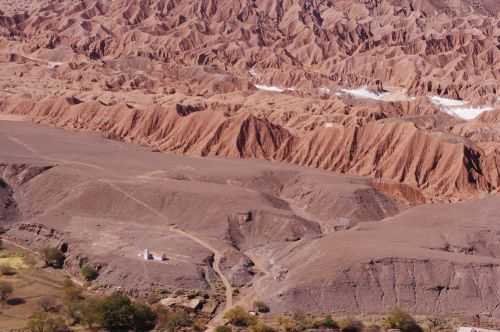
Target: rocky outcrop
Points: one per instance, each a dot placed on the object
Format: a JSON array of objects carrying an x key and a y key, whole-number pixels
[
  {"x": 432, "y": 259},
  {"x": 12, "y": 176},
  {"x": 419, "y": 45},
  {"x": 15, "y": 175},
  {"x": 439, "y": 165},
  {"x": 427, "y": 287},
  {"x": 8, "y": 205}
]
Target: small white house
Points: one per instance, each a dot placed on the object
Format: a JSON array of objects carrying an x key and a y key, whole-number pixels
[
  {"x": 149, "y": 255},
  {"x": 160, "y": 257}
]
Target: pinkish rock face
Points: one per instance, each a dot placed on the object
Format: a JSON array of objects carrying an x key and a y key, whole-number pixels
[{"x": 321, "y": 156}]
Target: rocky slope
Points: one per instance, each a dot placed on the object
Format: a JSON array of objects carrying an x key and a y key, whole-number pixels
[
  {"x": 298, "y": 238},
  {"x": 274, "y": 80},
  {"x": 438, "y": 164},
  {"x": 425, "y": 46},
  {"x": 390, "y": 104},
  {"x": 446, "y": 262},
  {"x": 109, "y": 201}
]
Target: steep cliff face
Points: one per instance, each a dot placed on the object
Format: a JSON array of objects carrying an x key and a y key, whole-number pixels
[
  {"x": 298, "y": 238},
  {"x": 440, "y": 165},
  {"x": 343, "y": 86},
  {"x": 430, "y": 260},
  {"x": 8, "y": 206},
  {"x": 355, "y": 88},
  {"x": 12, "y": 176},
  {"x": 427, "y": 287}
]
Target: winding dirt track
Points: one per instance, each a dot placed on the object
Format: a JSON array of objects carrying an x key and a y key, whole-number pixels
[
  {"x": 217, "y": 255},
  {"x": 173, "y": 228}
]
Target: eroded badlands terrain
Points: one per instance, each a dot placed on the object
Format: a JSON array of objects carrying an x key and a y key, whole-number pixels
[{"x": 318, "y": 155}]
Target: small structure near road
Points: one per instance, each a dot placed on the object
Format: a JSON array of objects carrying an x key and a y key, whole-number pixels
[{"x": 149, "y": 255}]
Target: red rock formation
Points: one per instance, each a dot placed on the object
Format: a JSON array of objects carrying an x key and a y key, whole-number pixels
[{"x": 439, "y": 164}]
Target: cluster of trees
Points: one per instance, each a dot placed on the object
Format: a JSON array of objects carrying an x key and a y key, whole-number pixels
[
  {"x": 239, "y": 318},
  {"x": 115, "y": 312}
]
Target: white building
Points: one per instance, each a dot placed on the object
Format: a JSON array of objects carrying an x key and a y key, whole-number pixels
[{"x": 149, "y": 255}]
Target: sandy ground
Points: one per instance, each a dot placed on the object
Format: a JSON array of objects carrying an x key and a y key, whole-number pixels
[
  {"x": 30, "y": 285},
  {"x": 109, "y": 200},
  {"x": 115, "y": 199},
  {"x": 12, "y": 117}
]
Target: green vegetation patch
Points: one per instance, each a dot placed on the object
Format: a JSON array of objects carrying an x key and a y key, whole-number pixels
[{"x": 14, "y": 261}]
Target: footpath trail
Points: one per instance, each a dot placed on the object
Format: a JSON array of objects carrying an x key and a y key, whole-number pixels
[
  {"x": 217, "y": 254},
  {"x": 194, "y": 238},
  {"x": 35, "y": 152}
]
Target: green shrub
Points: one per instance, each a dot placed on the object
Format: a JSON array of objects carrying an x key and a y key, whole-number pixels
[
  {"x": 7, "y": 270},
  {"x": 435, "y": 324},
  {"x": 117, "y": 312},
  {"x": 222, "y": 328},
  {"x": 351, "y": 325},
  {"x": 88, "y": 272},
  {"x": 171, "y": 321},
  {"x": 199, "y": 326},
  {"x": 48, "y": 304},
  {"x": 304, "y": 322},
  {"x": 144, "y": 317},
  {"x": 326, "y": 323},
  {"x": 398, "y": 319},
  {"x": 89, "y": 312},
  {"x": 261, "y": 327},
  {"x": 238, "y": 316},
  {"x": 6, "y": 290},
  {"x": 53, "y": 257},
  {"x": 261, "y": 307},
  {"x": 288, "y": 324},
  {"x": 71, "y": 292},
  {"x": 373, "y": 328},
  {"x": 43, "y": 322}
]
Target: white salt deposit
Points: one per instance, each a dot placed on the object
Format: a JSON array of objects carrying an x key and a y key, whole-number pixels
[
  {"x": 447, "y": 102},
  {"x": 53, "y": 65},
  {"x": 324, "y": 91},
  {"x": 273, "y": 88},
  {"x": 458, "y": 108},
  {"x": 363, "y": 92},
  {"x": 253, "y": 72},
  {"x": 269, "y": 88},
  {"x": 392, "y": 95},
  {"x": 467, "y": 113}
]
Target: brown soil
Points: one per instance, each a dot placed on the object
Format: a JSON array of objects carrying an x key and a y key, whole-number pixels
[{"x": 294, "y": 150}]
